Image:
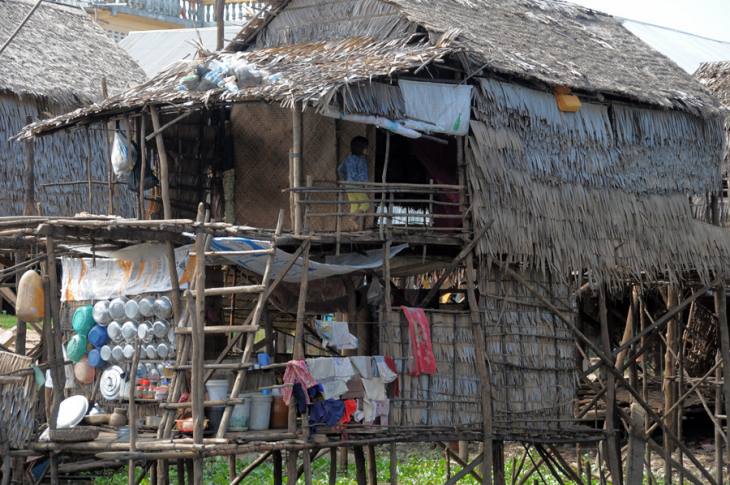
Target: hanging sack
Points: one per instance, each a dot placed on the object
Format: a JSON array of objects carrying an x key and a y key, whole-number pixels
[
  {"x": 123, "y": 156},
  {"x": 30, "y": 302}
]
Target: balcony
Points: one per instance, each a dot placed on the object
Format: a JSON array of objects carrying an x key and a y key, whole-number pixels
[{"x": 183, "y": 12}]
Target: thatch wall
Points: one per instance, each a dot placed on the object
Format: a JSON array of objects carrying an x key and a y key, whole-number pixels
[
  {"x": 61, "y": 157},
  {"x": 605, "y": 188},
  {"x": 262, "y": 160}
]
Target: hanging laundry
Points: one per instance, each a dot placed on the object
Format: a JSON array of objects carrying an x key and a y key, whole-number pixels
[
  {"x": 364, "y": 366},
  {"x": 350, "y": 409},
  {"x": 336, "y": 334},
  {"x": 296, "y": 372},
  {"x": 373, "y": 409},
  {"x": 422, "y": 360},
  {"x": 328, "y": 412},
  {"x": 394, "y": 387},
  {"x": 374, "y": 389},
  {"x": 385, "y": 372},
  {"x": 321, "y": 368}
]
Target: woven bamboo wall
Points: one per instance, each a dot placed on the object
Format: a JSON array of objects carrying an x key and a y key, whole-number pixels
[
  {"x": 17, "y": 404},
  {"x": 262, "y": 140},
  {"x": 531, "y": 354},
  {"x": 60, "y": 157},
  {"x": 449, "y": 398}
]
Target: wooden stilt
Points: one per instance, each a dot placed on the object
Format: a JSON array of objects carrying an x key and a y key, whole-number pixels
[
  {"x": 360, "y": 474},
  {"x": 393, "y": 464},
  {"x": 637, "y": 445},
  {"x": 277, "y": 465},
  {"x": 669, "y": 385},
  {"x": 718, "y": 429},
  {"x": 499, "y": 462},
  {"x": 52, "y": 296},
  {"x": 296, "y": 163},
  {"x": 164, "y": 167},
  {"x": 613, "y": 454},
  {"x": 332, "y": 478},
  {"x": 721, "y": 309},
  {"x": 198, "y": 345},
  {"x": 53, "y": 463},
  {"x": 372, "y": 465},
  {"x": 484, "y": 379},
  {"x": 180, "y": 468},
  {"x": 291, "y": 466},
  {"x": 232, "y": 467},
  {"x": 342, "y": 460}
]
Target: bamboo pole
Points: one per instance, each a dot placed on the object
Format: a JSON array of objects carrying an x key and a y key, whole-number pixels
[
  {"x": 296, "y": 165},
  {"x": 164, "y": 167},
  {"x": 198, "y": 346},
  {"x": 143, "y": 162},
  {"x": 132, "y": 412},
  {"x": 360, "y": 474},
  {"x": 718, "y": 411},
  {"x": 59, "y": 377}
]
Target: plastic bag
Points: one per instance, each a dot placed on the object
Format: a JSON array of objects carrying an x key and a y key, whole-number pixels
[{"x": 123, "y": 155}]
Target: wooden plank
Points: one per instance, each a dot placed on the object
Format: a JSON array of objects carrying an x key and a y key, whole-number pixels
[{"x": 216, "y": 329}]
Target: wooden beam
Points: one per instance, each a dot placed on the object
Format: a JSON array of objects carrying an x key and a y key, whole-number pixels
[
  {"x": 296, "y": 163},
  {"x": 198, "y": 347},
  {"x": 164, "y": 168},
  {"x": 612, "y": 450}
]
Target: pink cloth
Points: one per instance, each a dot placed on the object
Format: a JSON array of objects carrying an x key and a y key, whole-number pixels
[
  {"x": 297, "y": 372},
  {"x": 419, "y": 330}
]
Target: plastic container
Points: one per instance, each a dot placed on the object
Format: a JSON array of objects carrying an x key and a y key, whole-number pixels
[
  {"x": 241, "y": 414},
  {"x": 76, "y": 348},
  {"x": 215, "y": 415},
  {"x": 97, "y": 336},
  {"x": 30, "y": 301},
  {"x": 83, "y": 320},
  {"x": 279, "y": 413},
  {"x": 217, "y": 389},
  {"x": 260, "y": 412}
]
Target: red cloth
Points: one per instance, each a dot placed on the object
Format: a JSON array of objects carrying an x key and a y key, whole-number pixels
[
  {"x": 350, "y": 408},
  {"x": 297, "y": 372},
  {"x": 422, "y": 359}
]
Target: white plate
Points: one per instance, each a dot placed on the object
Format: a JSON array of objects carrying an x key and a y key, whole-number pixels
[{"x": 72, "y": 411}]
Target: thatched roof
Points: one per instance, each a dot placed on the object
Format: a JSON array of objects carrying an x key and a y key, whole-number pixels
[
  {"x": 550, "y": 42},
  {"x": 716, "y": 77},
  {"x": 61, "y": 55},
  {"x": 337, "y": 63}
]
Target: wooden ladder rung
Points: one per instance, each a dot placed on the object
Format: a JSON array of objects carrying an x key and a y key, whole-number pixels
[
  {"x": 219, "y": 329},
  {"x": 232, "y": 290},
  {"x": 231, "y": 366},
  {"x": 207, "y": 404},
  {"x": 246, "y": 252}
]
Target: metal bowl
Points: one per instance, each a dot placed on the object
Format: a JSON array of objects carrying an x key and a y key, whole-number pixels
[
  {"x": 131, "y": 310},
  {"x": 116, "y": 309},
  {"x": 163, "y": 308},
  {"x": 146, "y": 307},
  {"x": 100, "y": 313}
]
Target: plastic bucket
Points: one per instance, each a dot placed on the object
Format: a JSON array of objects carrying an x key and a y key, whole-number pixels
[
  {"x": 260, "y": 412},
  {"x": 215, "y": 414},
  {"x": 217, "y": 389},
  {"x": 240, "y": 415}
]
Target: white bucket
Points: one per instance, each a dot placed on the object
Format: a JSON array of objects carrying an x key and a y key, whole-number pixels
[
  {"x": 260, "y": 412},
  {"x": 240, "y": 415},
  {"x": 217, "y": 389}
]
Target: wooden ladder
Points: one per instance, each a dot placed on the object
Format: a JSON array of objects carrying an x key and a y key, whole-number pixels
[{"x": 191, "y": 331}]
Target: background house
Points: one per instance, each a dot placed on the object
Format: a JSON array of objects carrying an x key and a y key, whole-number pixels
[{"x": 56, "y": 64}]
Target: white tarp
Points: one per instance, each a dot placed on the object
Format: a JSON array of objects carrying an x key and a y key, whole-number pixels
[
  {"x": 143, "y": 268},
  {"x": 343, "y": 264},
  {"x": 436, "y": 107},
  {"x": 130, "y": 271}
]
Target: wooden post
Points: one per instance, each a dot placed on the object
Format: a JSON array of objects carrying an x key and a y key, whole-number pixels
[
  {"x": 637, "y": 444},
  {"x": 484, "y": 378},
  {"x": 360, "y": 465},
  {"x": 499, "y": 462},
  {"x": 612, "y": 450},
  {"x": 29, "y": 176},
  {"x": 332, "y": 479},
  {"x": 718, "y": 429},
  {"x": 89, "y": 175},
  {"x": 143, "y": 161},
  {"x": 669, "y": 385},
  {"x": 132, "y": 412},
  {"x": 20, "y": 327},
  {"x": 721, "y": 309},
  {"x": 198, "y": 345},
  {"x": 644, "y": 375},
  {"x": 394, "y": 464},
  {"x": 296, "y": 165},
  {"x": 219, "y": 23},
  {"x": 372, "y": 465},
  {"x": 58, "y": 369},
  {"x": 164, "y": 167},
  {"x": 278, "y": 472}
]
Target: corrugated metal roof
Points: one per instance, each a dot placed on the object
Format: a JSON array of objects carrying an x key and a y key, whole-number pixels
[
  {"x": 155, "y": 50},
  {"x": 685, "y": 49}
]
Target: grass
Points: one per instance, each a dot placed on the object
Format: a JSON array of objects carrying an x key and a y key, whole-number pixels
[
  {"x": 419, "y": 467},
  {"x": 7, "y": 321}
]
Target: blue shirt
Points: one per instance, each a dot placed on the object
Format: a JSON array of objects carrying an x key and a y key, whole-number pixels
[{"x": 354, "y": 168}]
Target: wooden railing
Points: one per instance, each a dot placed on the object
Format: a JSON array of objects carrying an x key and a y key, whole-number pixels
[{"x": 345, "y": 207}]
